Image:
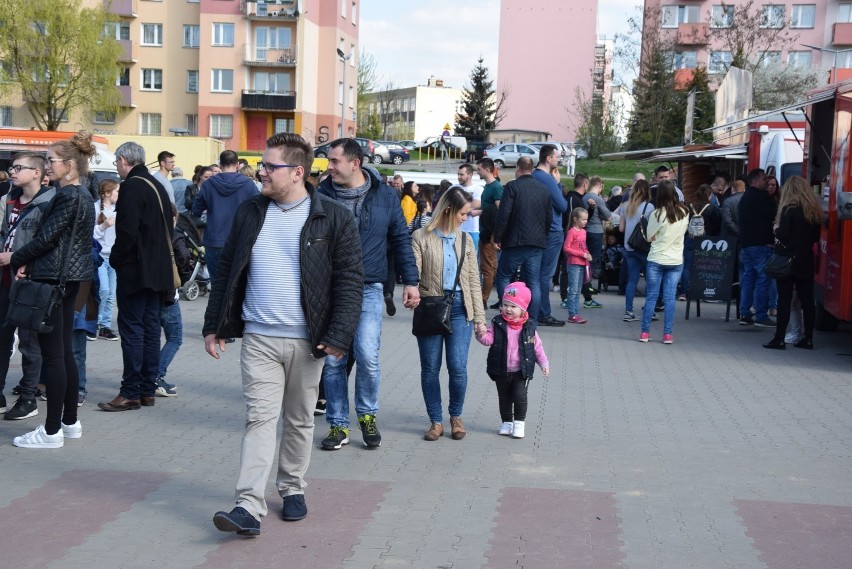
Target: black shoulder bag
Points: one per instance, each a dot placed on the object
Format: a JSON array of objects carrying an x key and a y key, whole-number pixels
[
  {"x": 432, "y": 315},
  {"x": 31, "y": 303},
  {"x": 638, "y": 239}
]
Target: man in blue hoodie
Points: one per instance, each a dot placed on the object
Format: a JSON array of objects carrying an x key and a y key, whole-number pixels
[{"x": 219, "y": 197}]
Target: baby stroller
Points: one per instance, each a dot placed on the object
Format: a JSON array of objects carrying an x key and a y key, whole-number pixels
[
  {"x": 198, "y": 281},
  {"x": 612, "y": 258}
]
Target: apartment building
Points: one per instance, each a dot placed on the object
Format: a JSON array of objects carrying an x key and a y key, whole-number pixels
[
  {"x": 237, "y": 70},
  {"x": 824, "y": 29},
  {"x": 415, "y": 113}
]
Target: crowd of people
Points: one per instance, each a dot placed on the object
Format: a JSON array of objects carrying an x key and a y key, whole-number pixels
[{"x": 308, "y": 271}]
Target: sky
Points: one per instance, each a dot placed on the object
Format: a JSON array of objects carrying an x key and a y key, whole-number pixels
[{"x": 413, "y": 41}]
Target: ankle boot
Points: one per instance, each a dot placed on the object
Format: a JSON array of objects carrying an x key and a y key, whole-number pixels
[
  {"x": 775, "y": 344},
  {"x": 805, "y": 343}
]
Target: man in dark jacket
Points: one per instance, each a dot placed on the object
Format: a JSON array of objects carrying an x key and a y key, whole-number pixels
[
  {"x": 141, "y": 257},
  {"x": 523, "y": 222},
  {"x": 756, "y": 215},
  {"x": 220, "y": 197},
  {"x": 290, "y": 284},
  {"x": 378, "y": 215}
]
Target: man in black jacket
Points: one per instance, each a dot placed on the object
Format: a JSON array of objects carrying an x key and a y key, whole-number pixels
[
  {"x": 289, "y": 282},
  {"x": 520, "y": 233},
  {"x": 756, "y": 215},
  {"x": 141, "y": 257}
]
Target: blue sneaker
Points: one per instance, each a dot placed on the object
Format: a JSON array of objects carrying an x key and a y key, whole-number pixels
[
  {"x": 592, "y": 304},
  {"x": 564, "y": 304},
  {"x": 237, "y": 520}
]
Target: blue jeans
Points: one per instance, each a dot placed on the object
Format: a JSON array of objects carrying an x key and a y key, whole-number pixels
[
  {"x": 636, "y": 261},
  {"x": 368, "y": 376},
  {"x": 475, "y": 236},
  {"x": 106, "y": 278},
  {"x": 668, "y": 275},
  {"x": 576, "y": 275},
  {"x": 754, "y": 284},
  {"x": 549, "y": 260},
  {"x": 431, "y": 352},
  {"x": 172, "y": 324},
  {"x": 211, "y": 257},
  {"x": 78, "y": 343},
  {"x": 529, "y": 260}
]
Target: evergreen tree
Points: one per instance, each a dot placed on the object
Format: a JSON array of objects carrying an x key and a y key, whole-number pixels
[
  {"x": 658, "y": 111},
  {"x": 705, "y": 106},
  {"x": 481, "y": 108}
]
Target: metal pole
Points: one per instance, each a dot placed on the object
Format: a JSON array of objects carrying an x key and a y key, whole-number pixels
[{"x": 343, "y": 101}]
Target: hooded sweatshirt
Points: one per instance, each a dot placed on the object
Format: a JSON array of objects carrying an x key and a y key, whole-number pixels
[{"x": 220, "y": 196}]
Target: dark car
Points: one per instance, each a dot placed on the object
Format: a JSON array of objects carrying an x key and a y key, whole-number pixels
[
  {"x": 387, "y": 151},
  {"x": 367, "y": 149}
]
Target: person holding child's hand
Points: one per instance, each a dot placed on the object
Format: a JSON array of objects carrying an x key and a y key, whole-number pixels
[{"x": 515, "y": 348}]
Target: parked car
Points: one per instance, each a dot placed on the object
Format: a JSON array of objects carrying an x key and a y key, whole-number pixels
[
  {"x": 367, "y": 149},
  {"x": 559, "y": 147},
  {"x": 387, "y": 152},
  {"x": 580, "y": 150},
  {"x": 476, "y": 149},
  {"x": 508, "y": 154},
  {"x": 433, "y": 148},
  {"x": 408, "y": 144}
]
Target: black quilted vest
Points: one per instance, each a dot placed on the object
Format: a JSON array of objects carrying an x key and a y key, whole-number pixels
[{"x": 496, "y": 362}]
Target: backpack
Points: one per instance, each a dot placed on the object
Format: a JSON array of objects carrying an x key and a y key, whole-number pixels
[{"x": 696, "y": 222}]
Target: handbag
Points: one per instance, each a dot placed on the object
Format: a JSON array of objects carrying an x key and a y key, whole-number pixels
[
  {"x": 175, "y": 274},
  {"x": 432, "y": 315},
  {"x": 778, "y": 266},
  {"x": 31, "y": 303},
  {"x": 638, "y": 239}
]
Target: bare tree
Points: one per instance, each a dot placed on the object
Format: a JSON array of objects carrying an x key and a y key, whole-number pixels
[
  {"x": 367, "y": 79},
  {"x": 388, "y": 99}
]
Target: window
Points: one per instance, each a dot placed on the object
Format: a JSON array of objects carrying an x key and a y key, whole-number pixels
[
  {"x": 7, "y": 71},
  {"x": 412, "y": 103},
  {"x": 843, "y": 61},
  {"x": 152, "y": 80},
  {"x": 117, "y": 30},
  {"x": 340, "y": 92},
  {"x": 124, "y": 78},
  {"x": 40, "y": 27},
  {"x": 223, "y": 35},
  {"x": 352, "y": 51},
  {"x": 719, "y": 61},
  {"x": 191, "y": 34},
  {"x": 676, "y": 15},
  {"x": 685, "y": 60},
  {"x": 152, "y": 34},
  {"x": 351, "y": 97},
  {"x": 272, "y": 82},
  {"x": 104, "y": 118},
  {"x": 354, "y": 8},
  {"x": 722, "y": 16},
  {"x": 844, "y": 13},
  {"x": 221, "y": 126},
  {"x": 803, "y": 16},
  {"x": 192, "y": 81},
  {"x": 5, "y": 116},
  {"x": 223, "y": 81},
  {"x": 343, "y": 4},
  {"x": 149, "y": 123},
  {"x": 284, "y": 125},
  {"x": 271, "y": 39},
  {"x": 191, "y": 122},
  {"x": 771, "y": 59},
  {"x": 60, "y": 115},
  {"x": 799, "y": 58},
  {"x": 772, "y": 16}
]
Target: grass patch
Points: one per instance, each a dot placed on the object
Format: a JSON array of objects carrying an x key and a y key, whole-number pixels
[{"x": 613, "y": 172}]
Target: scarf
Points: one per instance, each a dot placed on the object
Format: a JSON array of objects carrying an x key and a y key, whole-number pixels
[
  {"x": 353, "y": 198},
  {"x": 517, "y": 323}
]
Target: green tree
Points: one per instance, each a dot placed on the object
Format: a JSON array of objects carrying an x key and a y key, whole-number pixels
[
  {"x": 482, "y": 107},
  {"x": 704, "y": 114},
  {"x": 56, "y": 55},
  {"x": 596, "y": 132},
  {"x": 658, "y": 107},
  {"x": 367, "y": 80},
  {"x": 372, "y": 127}
]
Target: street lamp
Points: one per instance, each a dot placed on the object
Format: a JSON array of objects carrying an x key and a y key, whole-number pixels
[
  {"x": 344, "y": 59},
  {"x": 834, "y": 61}
]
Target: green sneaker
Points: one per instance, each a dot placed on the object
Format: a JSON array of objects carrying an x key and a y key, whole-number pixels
[
  {"x": 337, "y": 437},
  {"x": 370, "y": 432}
]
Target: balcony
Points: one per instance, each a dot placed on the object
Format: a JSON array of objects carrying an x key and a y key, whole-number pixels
[
  {"x": 692, "y": 34},
  {"x": 269, "y": 10},
  {"x": 126, "y": 51},
  {"x": 126, "y": 97},
  {"x": 842, "y": 34},
  {"x": 255, "y": 56},
  {"x": 123, "y": 8},
  {"x": 267, "y": 101}
]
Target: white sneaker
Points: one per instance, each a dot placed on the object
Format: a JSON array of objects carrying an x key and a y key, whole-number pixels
[
  {"x": 506, "y": 428},
  {"x": 39, "y": 439},
  {"x": 518, "y": 430},
  {"x": 74, "y": 431}
]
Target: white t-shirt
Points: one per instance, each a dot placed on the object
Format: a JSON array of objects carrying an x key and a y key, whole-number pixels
[{"x": 472, "y": 223}]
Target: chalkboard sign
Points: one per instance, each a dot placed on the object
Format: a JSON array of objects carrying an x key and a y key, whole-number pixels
[{"x": 712, "y": 271}]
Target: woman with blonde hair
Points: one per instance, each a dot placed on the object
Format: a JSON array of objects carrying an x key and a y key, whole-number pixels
[
  {"x": 438, "y": 253},
  {"x": 796, "y": 230}
]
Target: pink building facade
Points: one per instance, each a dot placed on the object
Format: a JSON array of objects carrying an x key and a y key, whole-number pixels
[{"x": 546, "y": 51}]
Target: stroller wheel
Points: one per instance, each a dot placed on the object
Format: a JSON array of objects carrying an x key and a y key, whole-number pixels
[{"x": 191, "y": 290}]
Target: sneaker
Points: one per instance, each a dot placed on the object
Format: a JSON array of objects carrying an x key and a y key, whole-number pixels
[
  {"x": 74, "y": 431},
  {"x": 294, "y": 508},
  {"x": 91, "y": 336},
  {"x": 668, "y": 339},
  {"x": 238, "y": 520},
  {"x": 320, "y": 408},
  {"x": 165, "y": 389},
  {"x": 654, "y": 318},
  {"x": 518, "y": 430},
  {"x": 765, "y": 323},
  {"x": 81, "y": 398},
  {"x": 337, "y": 437},
  {"x": 505, "y": 428},
  {"x": 645, "y": 337},
  {"x": 564, "y": 304},
  {"x": 550, "y": 321},
  {"x": 592, "y": 304},
  {"x": 107, "y": 334},
  {"x": 39, "y": 439},
  {"x": 681, "y": 297},
  {"x": 747, "y": 321},
  {"x": 629, "y": 316},
  {"x": 370, "y": 432},
  {"x": 577, "y": 320},
  {"x": 22, "y": 409}
]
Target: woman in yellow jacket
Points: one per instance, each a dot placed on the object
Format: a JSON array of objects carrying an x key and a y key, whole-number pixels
[
  {"x": 409, "y": 201},
  {"x": 438, "y": 252}
]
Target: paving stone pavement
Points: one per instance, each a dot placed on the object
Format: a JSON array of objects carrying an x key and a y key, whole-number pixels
[{"x": 709, "y": 453}]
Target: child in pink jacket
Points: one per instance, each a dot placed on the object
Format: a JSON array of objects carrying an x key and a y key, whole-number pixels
[{"x": 577, "y": 258}]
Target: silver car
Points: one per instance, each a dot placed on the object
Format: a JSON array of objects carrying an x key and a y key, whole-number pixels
[{"x": 508, "y": 154}]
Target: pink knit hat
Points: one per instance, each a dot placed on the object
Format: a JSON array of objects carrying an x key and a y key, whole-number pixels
[{"x": 518, "y": 294}]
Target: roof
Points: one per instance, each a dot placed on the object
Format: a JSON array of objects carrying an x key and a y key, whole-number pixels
[
  {"x": 641, "y": 154},
  {"x": 733, "y": 152},
  {"x": 815, "y": 98}
]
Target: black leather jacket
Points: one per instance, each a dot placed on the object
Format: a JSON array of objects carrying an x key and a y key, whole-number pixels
[
  {"x": 330, "y": 263},
  {"x": 45, "y": 253}
]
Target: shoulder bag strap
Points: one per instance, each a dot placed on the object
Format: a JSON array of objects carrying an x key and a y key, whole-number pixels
[
  {"x": 63, "y": 275},
  {"x": 702, "y": 209},
  {"x": 458, "y": 269},
  {"x": 162, "y": 211}
]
